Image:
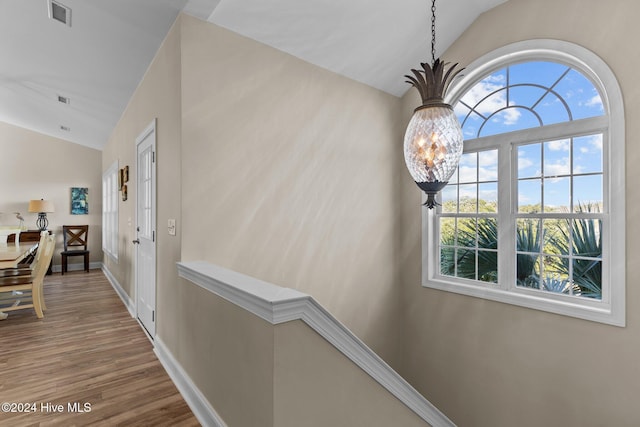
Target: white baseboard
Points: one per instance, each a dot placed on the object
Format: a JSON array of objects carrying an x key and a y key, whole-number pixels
[
  {"x": 128, "y": 302},
  {"x": 203, "y": 411}
]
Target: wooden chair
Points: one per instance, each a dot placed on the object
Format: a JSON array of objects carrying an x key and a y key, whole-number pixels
[
  {"x": 75, "y": 244},
  {"x": 15, "y": 291},
  {"x": 25, "y": 266}
]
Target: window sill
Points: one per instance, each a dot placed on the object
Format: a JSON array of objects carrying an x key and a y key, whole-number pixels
[{"x": 592, "y": 310}]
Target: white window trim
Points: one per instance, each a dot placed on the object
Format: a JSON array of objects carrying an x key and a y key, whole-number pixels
[
  {"x": 611, "y": 310},
  {"x": 110, "y": 183}
]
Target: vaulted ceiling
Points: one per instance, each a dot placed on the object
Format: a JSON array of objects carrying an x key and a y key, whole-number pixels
[{"x": 98, "y": 61}]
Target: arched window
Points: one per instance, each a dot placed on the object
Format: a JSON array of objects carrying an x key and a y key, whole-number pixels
[{"x": 534, "y": 216}]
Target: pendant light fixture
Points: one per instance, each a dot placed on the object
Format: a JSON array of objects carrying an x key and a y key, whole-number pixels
[{"x": 433, "y": 140}]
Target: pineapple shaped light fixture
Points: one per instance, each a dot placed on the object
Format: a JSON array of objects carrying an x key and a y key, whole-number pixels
[{"x": 433, "y": 140}]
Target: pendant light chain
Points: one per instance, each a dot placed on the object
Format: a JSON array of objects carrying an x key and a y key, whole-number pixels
[
  {"x": 433, "y": 140},
  {"x": 433, "y": 32}
]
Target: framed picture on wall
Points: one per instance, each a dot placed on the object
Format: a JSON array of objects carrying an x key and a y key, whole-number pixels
[{"x": 79, "y": 201}]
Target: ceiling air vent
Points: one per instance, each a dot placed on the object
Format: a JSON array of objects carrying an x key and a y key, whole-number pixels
[
  {"x": 65, "y": 128},
  {"x": 59, "y": 12},
  {"x": 64, "y": 99}
]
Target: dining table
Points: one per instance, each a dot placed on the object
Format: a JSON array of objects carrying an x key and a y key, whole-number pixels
[{"x": 12, "y": 253}]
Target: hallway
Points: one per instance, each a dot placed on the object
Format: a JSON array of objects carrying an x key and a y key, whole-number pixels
[{"x": 88, "y": 362}]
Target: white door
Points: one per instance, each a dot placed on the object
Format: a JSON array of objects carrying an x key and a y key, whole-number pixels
[{"x": 146, "y": 229}]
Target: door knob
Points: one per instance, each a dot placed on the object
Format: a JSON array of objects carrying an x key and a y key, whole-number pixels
[{"x": 136, "y": 242}]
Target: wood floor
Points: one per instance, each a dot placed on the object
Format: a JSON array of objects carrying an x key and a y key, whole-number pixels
[{"x": 86, "y": 350}]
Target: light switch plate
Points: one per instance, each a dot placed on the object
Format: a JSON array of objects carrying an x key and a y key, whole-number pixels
[{"x": 171, "y": 225}]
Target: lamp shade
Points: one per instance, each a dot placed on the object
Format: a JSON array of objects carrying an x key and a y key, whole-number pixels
[{"x": 41, "y": 206}]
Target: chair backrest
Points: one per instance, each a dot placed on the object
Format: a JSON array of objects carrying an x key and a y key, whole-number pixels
[
  {"x": 75, "y": 237},
  {"x": 45, "y": 253},
  {"x": 43, "y": 240},
  {"x": 11, "y": 238}
]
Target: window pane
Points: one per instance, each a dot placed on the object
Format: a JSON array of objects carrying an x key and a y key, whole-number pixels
[
  {"x": 555, "y": 237},
  {"x": 471, "y": 126},
  {"x": 467, "y": 232},
  {"x": 527, "y": 235},
  {"x": 450, "y": 198},
  {"x": 529, "y": 161},
  {"x": 492, "y": 83},
  {"x": 488, "y": 233},
  {"x": 587, "y": 275},
  {"x": 488, "y": 266},
  {"x": 538, "y": 72},
  {"x": 488, "y": 162},
  {"x": 526, "y": 95},
  {"x": 468, "y": 168},
  {"x": 587, "y": 237},
  {"x": 552, "y": 110},
  {"x": 528, "y": 271},
  {"x": 554, "y": 282},
  {"x": 556, "y": 158},
  {"x": 447, "y": 231},
  {"x": 488, "y": 197},
  {"x": 468, "y": 198},
  {"x": 587, "y": 154},
  {"x": 466, "y": 263},
  {"x": 447, "y": 261},
  {"x": 529, "y": 195},
  {"x": 581, "y": 95},
  {"x": 557, "y": 194},
  {"x": 587, "y": 192}
]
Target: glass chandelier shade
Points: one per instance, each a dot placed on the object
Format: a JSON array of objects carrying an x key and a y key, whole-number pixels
[
  {"x": 433, "y": 144},
  {"x": 433, "y": 140}
]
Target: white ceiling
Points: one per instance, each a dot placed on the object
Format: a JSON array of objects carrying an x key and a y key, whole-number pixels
[{"x": 99, "y": 61}]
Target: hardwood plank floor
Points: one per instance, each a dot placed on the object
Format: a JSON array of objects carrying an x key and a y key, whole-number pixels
[{"x": 86, "y": 350}]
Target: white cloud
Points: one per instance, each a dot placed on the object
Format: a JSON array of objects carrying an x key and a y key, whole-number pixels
[
  {"x": 467, "y": 174},
  {"x": 489, "y": 88},
  {"x": 596, "y": 141},
  {"x": 468, "y": 191},
  {"x": 488, "y": 158},
  {"x": 560, "y": 167},
  {"x": 559, "y": 145},
  {"x": 595, "y": 101}
]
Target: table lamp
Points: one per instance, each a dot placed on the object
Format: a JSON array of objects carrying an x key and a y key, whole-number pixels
[{"x": 41, "y": 207}]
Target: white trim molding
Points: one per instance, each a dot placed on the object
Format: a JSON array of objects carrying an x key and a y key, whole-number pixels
[
  {"x": 278, "y": 305},
  {"x": 203, "y": 411}
]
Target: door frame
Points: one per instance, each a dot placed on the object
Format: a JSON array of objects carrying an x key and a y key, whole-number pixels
[{"x": 141, "y": 137}]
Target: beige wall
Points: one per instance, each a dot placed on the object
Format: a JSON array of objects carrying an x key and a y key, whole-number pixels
[
  {"x": 229, "y": 354},
  {"x": 316, "y": 385},
  {"x": 280, "y": 171},
  {"x": 157, "y": 97},
  {"x": 36, "y": 166},
  {"x": 289, "y": 176},
  {"x": 485, "y": 363}
]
